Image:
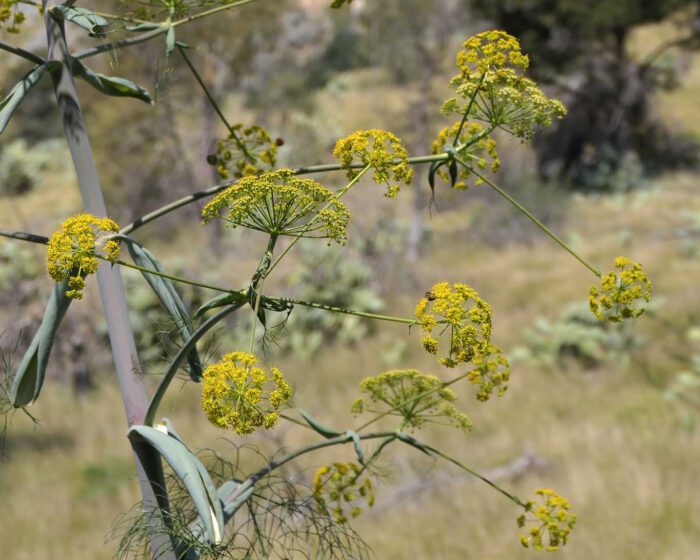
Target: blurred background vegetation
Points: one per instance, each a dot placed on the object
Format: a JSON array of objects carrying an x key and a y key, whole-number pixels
[{"x": 604, "y": 414}]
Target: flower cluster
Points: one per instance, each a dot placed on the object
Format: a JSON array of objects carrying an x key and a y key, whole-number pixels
[
  {"x": 413, "y": 396},
  {"x": 460, "y": 311},
  {"x": 621, "y": 293},
  {"x": 490, "y": 87},
  {"x": 382, "y": 152},
  {"x": 492, "y": 372},
  {"x": 74, "y": 248},
  {"x": 237, "y": 394},
  {"x": 339, "y": 490},
  {"x": 245, "y": 152},
  {"x": 476, "y": 147},
  {"x": 278, "y": 202},
  {"x": 553, "y": 522},
  {"x": 9, "y": 12}
]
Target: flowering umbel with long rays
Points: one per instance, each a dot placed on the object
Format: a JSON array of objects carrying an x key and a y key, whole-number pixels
[
  {"x": 217, "y": 509},
  {"x": 281, "y": 203}
]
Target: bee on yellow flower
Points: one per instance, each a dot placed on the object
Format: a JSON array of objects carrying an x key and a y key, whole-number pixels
[{"x": 459, "y": 312}]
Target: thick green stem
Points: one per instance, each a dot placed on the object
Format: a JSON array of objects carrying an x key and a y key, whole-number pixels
[
  {"x": 126, "y": 360},
  {"x": 258, "y": 283},
  {"x": 532, "y": 218}
]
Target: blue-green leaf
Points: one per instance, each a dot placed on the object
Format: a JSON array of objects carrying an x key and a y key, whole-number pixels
[
  {"x": 29, "y": 377},
  {"x": 413, "y": 442},
  {"x": 358, "y": 447},
  {"x": 17, "y": 94},
  {"x": 170, "y": 41},
  {"x": 82, "y": 17},
  {"x": 220, "y": 301},
  {"x": 109, "y": 85},
  {"x": 191, "y": 472},
  {"x": 146, "y": 26},
  {"x": 169, "y": 299},
  {"x": 326, "y": 432}
]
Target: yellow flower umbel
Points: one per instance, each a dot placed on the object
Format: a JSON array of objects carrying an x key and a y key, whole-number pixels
[
  {"x": 237, "y": 395},
  {"x": 73, "y": 249},
  {"x": 339, "y": 491},
  {"x": 491, "y": 374},
  {"x": 491, "y": 88},
  {"x": 459, "y": 311},
  {"x": 382, "y": 152},
  {"x": 622, "y": 292},
  {"x": 553, "y": 522},
  {"x": 415, "y": 397},
  {"x": 480, "y": 151},
  {"x": 280, "y": 203},
  {"x": 9, "y": 13},
  {"x": 246, "y": 151}
]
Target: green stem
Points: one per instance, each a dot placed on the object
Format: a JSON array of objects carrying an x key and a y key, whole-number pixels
[
  {"x": 160, "y": 31},
  {"x": 472, "y": 472},
  {"x": 468, "y": 110},
  {"x": 215, "y": 189},
  {"x": 273, "y": 465},
  {"x": 35, "y": 58},
  {"x": 532, "y": 218},
  {"x": 316, "y": 218},
  {"x": 215, "y": 105},
  {"x": 24, "y": 236},
  {"x": 168, "y": 276},
  {"x": 376, "y": 316},
  {"x": 258, "y": 283},
  {"x": 180, "y": 357},
  {"x": 211, "y": 191}
]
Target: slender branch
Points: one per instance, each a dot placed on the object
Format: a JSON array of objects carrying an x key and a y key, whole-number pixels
[
  {"x": 128, "y": 42},
  {"x": 206, "y": 91},
  {"x": 24, "y": 236},
  {"x": 389, "y": 318},
  {"x": 468, "y": 109},
  {"x": 168, "y": 276},
  {"x": 215, "y": 189},
  {"x": 246, "y": 485},
  {"x": 35, "y": 58},
  {"x": 180, "y": 356},
  {"x": 472, "y": 472},
  {"x": 241, "y": 145},
  {"x": 532, "y": 218}
]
